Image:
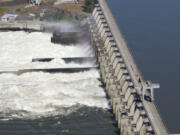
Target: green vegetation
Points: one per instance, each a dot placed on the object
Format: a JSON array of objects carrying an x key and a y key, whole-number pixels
[
  {"x": 89, "y": 5},
  {"x": 37, "y": 15},
  {"x": 3, "y": 10}
]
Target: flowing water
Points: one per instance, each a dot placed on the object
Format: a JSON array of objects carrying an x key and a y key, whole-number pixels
[
  {"x": 42, "y": 103},
  {"x": 151, "y": 29}
]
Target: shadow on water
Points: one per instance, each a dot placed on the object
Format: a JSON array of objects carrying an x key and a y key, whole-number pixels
[{"x": 83, "y": 121}]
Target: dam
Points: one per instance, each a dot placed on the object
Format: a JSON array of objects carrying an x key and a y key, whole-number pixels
[
  {"x": 131, "y": 97},
  {"x": 124, "y": 84}
]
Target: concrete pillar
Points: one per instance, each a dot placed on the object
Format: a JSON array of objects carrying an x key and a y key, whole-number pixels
[
  {"x": 108, "y": 75},
  {"x": 114, "y": 93},
  {"x": 116, "y": 71},
  {"x": 112, "y": 51},
  {"x": 118, "y": 64},
  {"x": 135, "y": 117},
  {"x": 114, "y": 56},
  {"x": 118, "y": 115},
  {"x": 102, "y": 26},
  {"x": 101, "y": 59},
  {"x": 130, "y": 102},
  {"x": 105, "y": 33},
  {"x": 106, "y": 67},
  {"x": 115, "y": 101},
  {"x": 120, "y": 79},
  {"x": 139, "y": 125},
  {"x": 107, "y": 44},
  {"x": 97, "y": 13},
  {"x": 143, "y": 130},
  {"x": 103, "y": 74},
  {"x": 111, "y": 46},
  {"x": 132, "y": 111},
  {"x": 125, "y": 87},
  {"x": 110, "y": 79},
  {"x": 101, "y": 22},
  {"x": 127, "y": 95},
  {"x": 116, "y": 61},
  {"x": 99, "y": 17},
  {"x": 112, "y": 87},
  {"x": 96, "y": 9},
  {"x": 124, "y": 126}
]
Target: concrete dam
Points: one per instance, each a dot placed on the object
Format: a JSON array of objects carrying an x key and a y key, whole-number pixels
[{"x": 131, "y": 97}]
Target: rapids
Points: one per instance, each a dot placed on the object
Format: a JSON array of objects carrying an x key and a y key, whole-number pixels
[{"x": 33, "y": 95}]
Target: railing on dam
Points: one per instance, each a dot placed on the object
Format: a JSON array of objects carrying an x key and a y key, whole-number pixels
[{"x": 124, "y": 84}]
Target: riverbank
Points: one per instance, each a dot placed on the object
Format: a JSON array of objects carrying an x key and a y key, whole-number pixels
[{"x": 46, "y": 11}]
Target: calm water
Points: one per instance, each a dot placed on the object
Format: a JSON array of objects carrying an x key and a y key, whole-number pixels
[{"x": 152, "y": 31}]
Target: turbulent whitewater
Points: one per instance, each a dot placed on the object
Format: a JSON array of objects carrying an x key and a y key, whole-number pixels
[
  {"x": 32, "y": 95},
  {"x": 19, "y": 48}
]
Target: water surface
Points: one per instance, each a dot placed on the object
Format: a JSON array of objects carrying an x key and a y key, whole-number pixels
[
  {"x": 152, "y": 31},
  {"x": 39, "y": 103}
]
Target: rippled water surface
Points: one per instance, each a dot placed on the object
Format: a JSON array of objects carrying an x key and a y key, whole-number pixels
[{"x": 152, "y": 31}]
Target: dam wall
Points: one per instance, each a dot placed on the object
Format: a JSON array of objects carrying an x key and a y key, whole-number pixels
[
  {"x": 135, "y": 114},
  {"x": 22, "y": 25}
]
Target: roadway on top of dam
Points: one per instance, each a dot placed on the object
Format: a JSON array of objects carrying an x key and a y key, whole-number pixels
[{"x": 150, "y": 107}]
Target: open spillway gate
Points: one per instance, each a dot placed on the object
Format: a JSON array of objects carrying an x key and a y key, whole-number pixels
[
  {"x": 79, "y": 60},
  {"x": 129, "y": 94}
]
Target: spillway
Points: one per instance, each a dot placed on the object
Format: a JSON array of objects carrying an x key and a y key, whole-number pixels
[{"x": 42, "y": 103}]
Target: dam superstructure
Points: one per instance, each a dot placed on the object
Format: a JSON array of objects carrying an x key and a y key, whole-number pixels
[{"x": 131, "y": 97}]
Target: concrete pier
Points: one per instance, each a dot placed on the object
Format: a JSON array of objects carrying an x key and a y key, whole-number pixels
[
  {"x": 68, "y": 60},
  {"x": 123, "y": 81},
  {"x": 49, "y": 70},
  {"x": 22, "y": 25}
]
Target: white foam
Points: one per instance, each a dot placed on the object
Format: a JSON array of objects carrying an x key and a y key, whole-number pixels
[
  {"x": 18, "y": 49},
  {"x": 39, "y": 93}
]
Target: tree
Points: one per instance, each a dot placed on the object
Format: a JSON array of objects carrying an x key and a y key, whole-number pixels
[{"x": 89, "y": 5}]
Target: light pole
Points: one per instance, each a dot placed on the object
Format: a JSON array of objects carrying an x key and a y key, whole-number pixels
[{"x": 148, "y": 86}]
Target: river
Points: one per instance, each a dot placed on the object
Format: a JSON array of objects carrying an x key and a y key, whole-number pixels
[
  {"x": 39, "y": 103},
  {"x": 152, "y": 32}
]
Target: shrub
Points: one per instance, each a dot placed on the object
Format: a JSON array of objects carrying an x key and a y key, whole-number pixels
[
  {"x": 89, "y": 5},
  {"x": 3, "y": 10}
]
